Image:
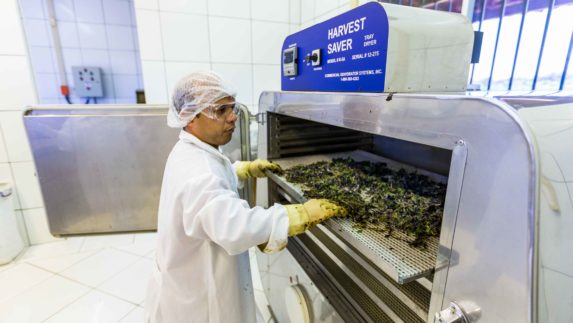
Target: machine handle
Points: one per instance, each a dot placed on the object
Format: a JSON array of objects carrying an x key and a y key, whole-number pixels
[{"x": 456, "y": 314}]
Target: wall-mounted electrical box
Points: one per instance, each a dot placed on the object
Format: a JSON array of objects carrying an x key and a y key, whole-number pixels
[{"x": 87, "y": 81}]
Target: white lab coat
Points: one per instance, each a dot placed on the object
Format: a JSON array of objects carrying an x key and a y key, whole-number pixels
[{"x": 204, "y": 232}]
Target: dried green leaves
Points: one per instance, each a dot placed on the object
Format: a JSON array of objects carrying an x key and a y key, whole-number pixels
[{"x": 374, "y": 194}]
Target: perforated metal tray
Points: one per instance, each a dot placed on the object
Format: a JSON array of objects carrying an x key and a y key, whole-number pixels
[{"x": 393, "y": 254}]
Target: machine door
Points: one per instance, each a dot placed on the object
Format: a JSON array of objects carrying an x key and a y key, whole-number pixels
[{"x": 100, "y": 168}]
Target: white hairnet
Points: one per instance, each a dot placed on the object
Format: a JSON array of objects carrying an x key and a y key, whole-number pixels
[{"x": 193, "y": 94}]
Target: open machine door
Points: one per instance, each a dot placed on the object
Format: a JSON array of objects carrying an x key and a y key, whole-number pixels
[{"x": 100, "y": 169}]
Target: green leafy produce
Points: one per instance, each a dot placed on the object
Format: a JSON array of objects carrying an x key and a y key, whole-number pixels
[{"x": 373, "y": 194}]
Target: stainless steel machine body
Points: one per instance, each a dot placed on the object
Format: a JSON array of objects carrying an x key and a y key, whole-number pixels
[
  {"x": 497, "y": 255},
  {"x": 100, "y": 168}
]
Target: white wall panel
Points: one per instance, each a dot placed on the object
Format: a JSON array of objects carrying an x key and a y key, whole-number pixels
[
  {"x": 42, "y": 60},
  {"x": 120, "y": 37},
  {"x": 88, "y": 11},
  {"x": 185, "y": 37},
  {"x": 154, "y": 82},
  {"x": 235, "y": 8},
  {"x": 63, "y": 9},
  {"x": 295, "y": 7},
  {"x": 276, "y": 11},
  {"x": 123, "y": 63},
  {"x": 268, "y": 39},
  {"x": 72, "y": 57},
  {"x": 68, "y": 34},
  {"x": 116, "y": 12},
  {"x": 3, "y": 152},
  {"x": 125, "y": 86},
  {"x": 16, "y": 87},
  {"x": 50, "y": 90},
  {"x": 28, "y": 8},
  {"x": 92, "y": 36},
  {"x": 15, "y": 136},
  {"x": 146, "y": 4},
  {"x": 149, "y": 35},
  {"x": 230, "y": 40},
  {"x": 265, "y": 78},
  {"x": 37, "y": 32},
  {"x": 96, "y": 57},
  {"x": 12, "y": 42},
  {"x": 184, "y": 6}
]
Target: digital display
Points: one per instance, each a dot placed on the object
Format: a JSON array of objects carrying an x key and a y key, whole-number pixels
[{"x": 288, "y": 57}]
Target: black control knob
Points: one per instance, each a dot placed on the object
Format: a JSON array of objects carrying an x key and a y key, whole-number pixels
[{"x": 312, "y": 57}]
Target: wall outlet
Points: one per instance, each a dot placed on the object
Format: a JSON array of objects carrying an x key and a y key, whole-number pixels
[{"x": 87, "y": 81}]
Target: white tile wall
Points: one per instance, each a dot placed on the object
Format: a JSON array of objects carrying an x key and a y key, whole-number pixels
[
  {"x": 12, "y": 42},
  {"x": 265, "y": 78},
  {"x": 89, "y": 11},
  {"x": 50, "y": 90},
  {"x": 68, "y": 35},
  {"x": 91, "y": 32},
  {"x": 235, "y": 8},
  {"x": 64, "y": 10},
  {"x": 117, "y": 12},
  {"x": 30, "y": 9},
  {"x": 72, "y": 57},
  {"x": 124, "y": 85},
  {"x": 294, "y": 8},
  {"x": 120, "y": 37},
  {"x": 95, "y": 57},
  {"x": 185, "y": 37},
  {"x": 154, "y": 81},
  {"x": 92, "y": 36},
  {"x": 268, "y": 39},
  {"x": 276, "y": 11},
  {"x": 230, "y": 37},
  {"x": 37, "y": 32},
  {"x": 3, "y": 153},
  {"x": 189, "y": 6},
  {"x": 230, "y": 40},
  {"x": 15, "y": 80},
  {"x": 149, "y": 35},
  {"x": 43, "y": 60},
  {"x": 146, "y": 4},
  {"x": 124, "y": 63},
  {"x": 13, "y": 129}
]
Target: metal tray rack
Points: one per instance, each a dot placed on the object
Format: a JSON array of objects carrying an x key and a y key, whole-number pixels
[{"x": 393, "y": 255}]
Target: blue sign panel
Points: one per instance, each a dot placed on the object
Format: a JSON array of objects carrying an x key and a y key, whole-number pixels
[{"x": 344, "y": 54}]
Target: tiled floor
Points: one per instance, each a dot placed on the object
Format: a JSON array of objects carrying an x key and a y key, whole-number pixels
[{"x": 85, "y": 279}]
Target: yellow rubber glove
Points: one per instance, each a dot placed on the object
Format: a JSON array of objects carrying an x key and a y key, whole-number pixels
[
  {"x": 256, "y": 168},
  {"x": 302, "y": 217}
]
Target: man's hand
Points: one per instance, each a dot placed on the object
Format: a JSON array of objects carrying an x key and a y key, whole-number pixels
[
  {"x": 304, "y": 216},
  {"x": 256, "y": 168}
]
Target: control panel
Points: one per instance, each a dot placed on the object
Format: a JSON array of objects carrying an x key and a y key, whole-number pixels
[
  {"x": 87, "y": 81},
  {"x": 346, "y": 53}
]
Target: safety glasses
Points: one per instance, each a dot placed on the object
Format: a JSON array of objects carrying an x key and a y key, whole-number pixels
[{"x": 222, "y": 111}]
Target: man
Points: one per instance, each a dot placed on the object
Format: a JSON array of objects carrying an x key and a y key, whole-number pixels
[{"x": 204, "y": 229}]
